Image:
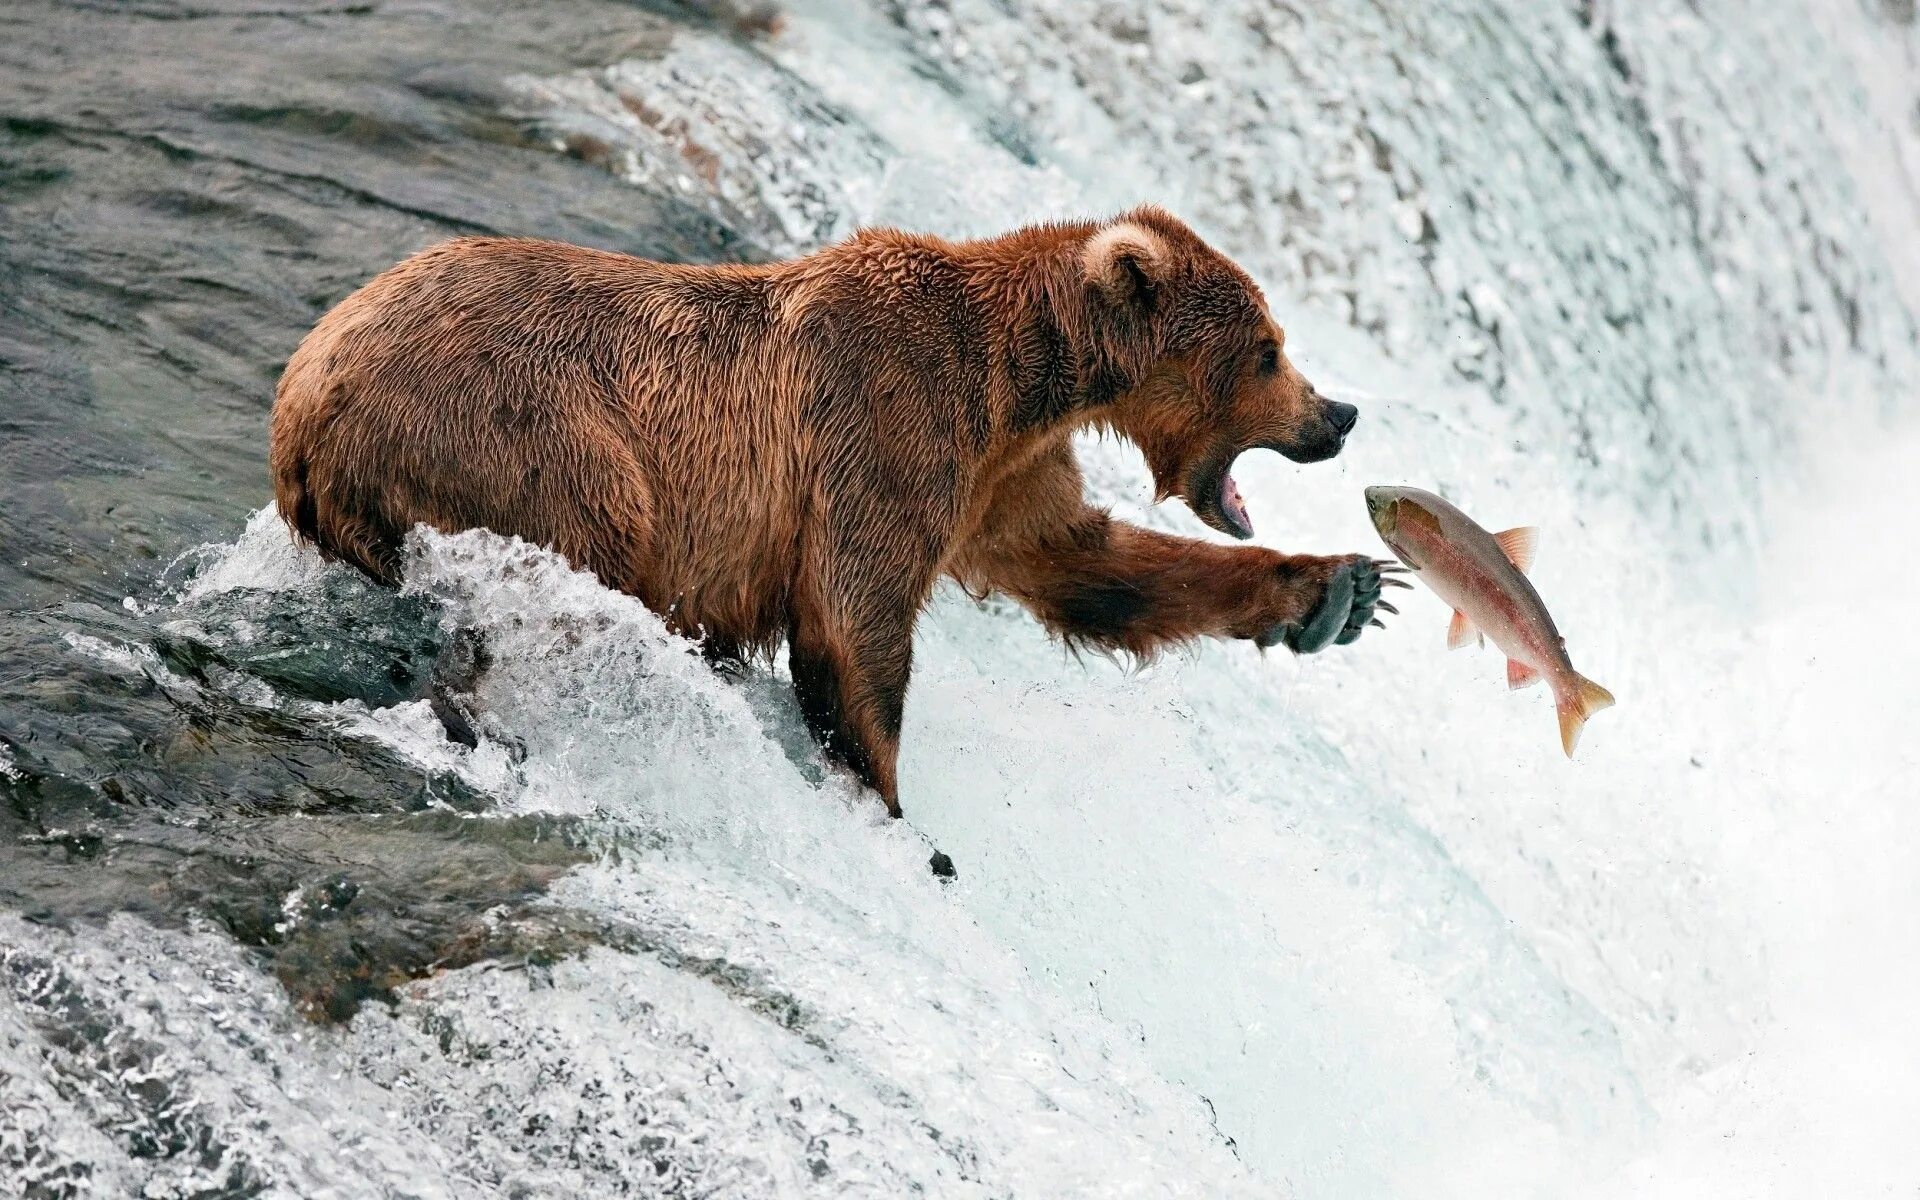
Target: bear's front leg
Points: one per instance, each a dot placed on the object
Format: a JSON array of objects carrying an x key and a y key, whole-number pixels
[
  {"x": 1101, "y": 582},
  {"x": 850, "y": 669}
]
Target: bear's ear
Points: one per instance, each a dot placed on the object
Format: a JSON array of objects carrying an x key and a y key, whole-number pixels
[{"x": 1126, "y": 263}]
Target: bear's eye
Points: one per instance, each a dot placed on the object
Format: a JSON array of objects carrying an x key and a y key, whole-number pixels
[{"x": 1269, "y": 359}]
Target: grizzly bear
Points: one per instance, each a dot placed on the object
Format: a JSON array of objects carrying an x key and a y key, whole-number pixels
[{"x": 801, "y": 450}]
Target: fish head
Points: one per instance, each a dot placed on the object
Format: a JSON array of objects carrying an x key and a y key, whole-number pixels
[
  {"x": 1217, "y": 383},
  {"x": 1383, "y": 508},
  {"x": 1398, "y": 514}
]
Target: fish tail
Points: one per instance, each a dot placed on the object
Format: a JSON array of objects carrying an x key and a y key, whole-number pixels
[{"x": 1576, "y": 704}]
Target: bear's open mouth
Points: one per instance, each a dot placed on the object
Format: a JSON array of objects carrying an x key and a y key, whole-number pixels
[
  {"x": 1232, "y": 508},
  {"x": 1215, "y": 498}
]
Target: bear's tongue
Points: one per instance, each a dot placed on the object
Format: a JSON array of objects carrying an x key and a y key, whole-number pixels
[{"x": 1234, "y": 507}]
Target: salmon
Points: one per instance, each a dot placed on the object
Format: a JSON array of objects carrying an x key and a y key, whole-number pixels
[{"x": 1483, "y": 575}]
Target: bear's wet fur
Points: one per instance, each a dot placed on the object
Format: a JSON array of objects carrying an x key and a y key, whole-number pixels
[{"x": 799, "y": 451}]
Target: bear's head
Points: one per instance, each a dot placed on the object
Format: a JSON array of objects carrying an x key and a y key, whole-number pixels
[{"x": 1199, "y": 365}]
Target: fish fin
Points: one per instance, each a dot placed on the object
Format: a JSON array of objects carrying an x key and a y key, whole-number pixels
[
  {"x": 1584, "y": 699},
  {"x": 1520, "y": 675},
  {"x": 1519, "y": 545},
  {"x": 1460, "y": 631}
]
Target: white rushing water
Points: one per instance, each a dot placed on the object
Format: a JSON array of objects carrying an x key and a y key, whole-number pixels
[{"x": 1642, "y": 275}]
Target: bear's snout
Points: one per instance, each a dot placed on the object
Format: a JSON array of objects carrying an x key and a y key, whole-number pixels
[
  {"x": 1325, "y": 432},
  {"x": 1343, "y": 417}
]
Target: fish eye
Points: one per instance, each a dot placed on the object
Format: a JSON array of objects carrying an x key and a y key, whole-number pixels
[{"x": 1269, "y": 359}]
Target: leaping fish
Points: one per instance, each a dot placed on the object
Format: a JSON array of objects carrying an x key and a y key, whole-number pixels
[{"x": 1483, "y": 575}]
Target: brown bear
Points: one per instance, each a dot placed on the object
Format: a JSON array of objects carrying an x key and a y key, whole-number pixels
[{"x": 801, "y": 450}]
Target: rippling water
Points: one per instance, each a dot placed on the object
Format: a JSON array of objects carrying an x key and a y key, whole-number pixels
[{"x": 1644, "y": 275}]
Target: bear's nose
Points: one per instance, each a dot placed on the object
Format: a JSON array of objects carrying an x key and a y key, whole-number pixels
[{"x": 1343, "y": 417}]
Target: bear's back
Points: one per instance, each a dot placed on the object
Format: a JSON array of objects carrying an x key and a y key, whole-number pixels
[{"x": 636, "y": 416}]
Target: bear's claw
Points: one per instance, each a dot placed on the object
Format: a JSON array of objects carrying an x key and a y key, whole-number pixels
[{"x": 1347, "y": 606}]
